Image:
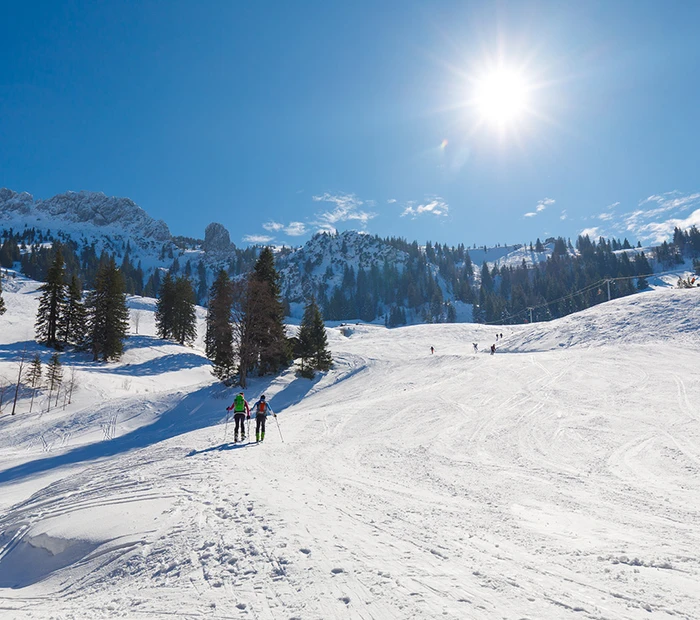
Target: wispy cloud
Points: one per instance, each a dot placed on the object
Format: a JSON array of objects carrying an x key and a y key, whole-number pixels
[
  {"x": 540, "y": 206},
  {"x": 657, "y": 216},
  {"x": 609, "y": 212},
  {"x": 347, "y": 208},
  {"x": 673, "y": 200},
  {"x": 273, "y": 226},
  {"x": 433, "y": 206},
  {"x": 563, "y": 215},
  {"x": 543, "y": 204},
  {"x": 257, "y": 239},
  {"x": 591, "y": 232},
  {"x": 391, "y": 201},
  {"x": 295, "y": 229},
  {"x": 658, "y": 232}
]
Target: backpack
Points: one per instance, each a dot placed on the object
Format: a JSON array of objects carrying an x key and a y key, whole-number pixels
[
  {"x": 261, "y": 406},
  {"x": 239, "y": 404}
]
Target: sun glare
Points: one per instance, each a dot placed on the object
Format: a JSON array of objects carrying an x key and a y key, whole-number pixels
[{"x": 501, "y": 96}]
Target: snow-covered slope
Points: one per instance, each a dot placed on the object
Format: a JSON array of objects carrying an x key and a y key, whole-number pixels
[{"x": 559, "y": 478}]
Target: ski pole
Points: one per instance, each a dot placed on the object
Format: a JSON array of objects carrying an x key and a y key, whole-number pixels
[
  {"x": 226, "y": 427},
  {"x": 248, "y": 428},
  {"x": 279, "y": 429}
]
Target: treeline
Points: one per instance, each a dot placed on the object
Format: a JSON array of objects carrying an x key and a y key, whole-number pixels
[
  {"x": 245, "y": 331},
  {"x": 423, "y": 285},
  {"x": 390, "y": 290},
  {"x": 568, "y": 282},
  {"x": 33, "y": 249},
  {"x": 97, "y": 323}
]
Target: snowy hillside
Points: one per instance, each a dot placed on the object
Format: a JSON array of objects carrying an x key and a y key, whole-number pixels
[{"x": 559, "y": 478}]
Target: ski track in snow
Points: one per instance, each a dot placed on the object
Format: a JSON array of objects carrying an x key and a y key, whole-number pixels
[{"x": 546, "y": 481}]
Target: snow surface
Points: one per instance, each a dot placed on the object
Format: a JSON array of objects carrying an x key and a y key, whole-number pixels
[{"x": 559, "y": 478}]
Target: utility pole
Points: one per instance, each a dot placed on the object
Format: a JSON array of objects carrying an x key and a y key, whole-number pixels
[
  {"x": 530, "y": 309},
  {"x": 608, "y": 281}
]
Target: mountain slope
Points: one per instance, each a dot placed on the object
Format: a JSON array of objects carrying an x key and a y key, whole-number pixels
[{"x": 558, "y": 478}]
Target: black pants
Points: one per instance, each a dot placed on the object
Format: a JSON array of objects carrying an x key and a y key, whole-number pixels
[
  {"x": 260, "y": 423},
  {"x": 240, "y": 419}
]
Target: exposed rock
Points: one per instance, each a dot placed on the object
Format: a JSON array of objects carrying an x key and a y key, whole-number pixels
[{"x": 216, "y": 238}]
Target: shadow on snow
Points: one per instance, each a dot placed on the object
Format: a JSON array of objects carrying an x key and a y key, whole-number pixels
[{"x": 200, "y": 409}]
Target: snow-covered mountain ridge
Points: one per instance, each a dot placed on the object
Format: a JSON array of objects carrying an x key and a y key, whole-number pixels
[
  {"x": 73, "y": 209},
  {"x": 353, "y": 276}
]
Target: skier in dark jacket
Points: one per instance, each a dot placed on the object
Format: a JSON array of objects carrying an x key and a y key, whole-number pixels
[
  {"x": 261, "y": 409},
  {"x": 240, "y": 411}
]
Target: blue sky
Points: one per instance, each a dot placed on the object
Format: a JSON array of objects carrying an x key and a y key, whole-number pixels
[{"x": 279, "y": 119}]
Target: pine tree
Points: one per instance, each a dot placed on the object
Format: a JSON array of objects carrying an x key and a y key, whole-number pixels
[
  {"x": 322, "y": 357},
  {"x": 33, "y": 377},
  {"x": 72, "y": 324},
  {"x": 313, "y": 343},
  {"x": 270, "y": 349},
  {"x": 52, "y": 303},
  {"x": 218, "y": 340},
  {"x": 305, "y": 344},
  {"x": 108, "y": 315},
  {"x": 165, "y": 308},
  {"x": 184, "y": 328},
  {"x": 250, "y": 299}
]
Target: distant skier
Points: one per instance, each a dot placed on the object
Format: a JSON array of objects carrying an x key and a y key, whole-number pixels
[
  {"x": 493, "y": 349},
  {"x": 240, "y": 411},
  {"x": 476, "y": 347},
  {"x": 501, "y": 335},
  {"x": 261, "y": 409},
  {"x": 432, "y": 350}
]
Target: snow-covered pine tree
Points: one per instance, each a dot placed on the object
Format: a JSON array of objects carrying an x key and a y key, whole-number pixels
[
  {"x": 184, "y": 329},
  {"x": 52, "y": 302},
  {"x": 108, "y": 315},
  {"x": 218, "y": 340},
  {"x": 72, "y": 323},
  {"x": 165, "y": 308}
]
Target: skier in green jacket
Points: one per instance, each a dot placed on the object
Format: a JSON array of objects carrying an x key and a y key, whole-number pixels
[{"x": 240, "y": 411}]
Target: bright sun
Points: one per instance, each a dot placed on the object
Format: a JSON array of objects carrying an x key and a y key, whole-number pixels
[{"x": 502, "y": 96}]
